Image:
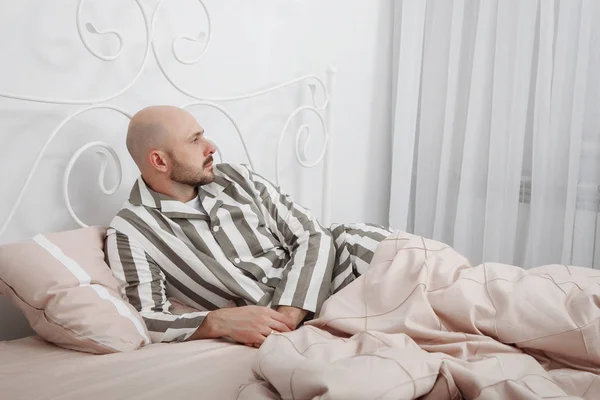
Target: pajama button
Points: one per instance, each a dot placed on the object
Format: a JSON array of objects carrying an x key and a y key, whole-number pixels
[
  {"x": 265, "y": 280},
  {"x": 216, "y": 229},
  {"x": 237, "y": 260}
]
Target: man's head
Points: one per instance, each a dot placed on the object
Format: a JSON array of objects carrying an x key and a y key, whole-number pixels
[{"x": 168, "y": 146}]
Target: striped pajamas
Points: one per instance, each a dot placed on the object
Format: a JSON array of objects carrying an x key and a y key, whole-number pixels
[
  {"x": 252, "y": 245},
  {"x": 355, "y": 246}
]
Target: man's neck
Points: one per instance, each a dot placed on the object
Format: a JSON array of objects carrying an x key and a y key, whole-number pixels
[{"x": 176, "y": 190}]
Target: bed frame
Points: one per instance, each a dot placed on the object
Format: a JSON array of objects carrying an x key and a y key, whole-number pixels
[{"x": 319, "y": 105}]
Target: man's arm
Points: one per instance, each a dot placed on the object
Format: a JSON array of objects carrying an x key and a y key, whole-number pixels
[
  {"x": 307, "y": 278},
  {"x": 296, "y": 315},
  {"x": 144, "y": 284}
]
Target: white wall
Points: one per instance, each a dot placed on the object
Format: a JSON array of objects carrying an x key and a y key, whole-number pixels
[{"x": 254, "y": 44}]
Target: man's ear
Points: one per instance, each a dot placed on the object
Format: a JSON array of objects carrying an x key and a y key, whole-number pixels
[{"x": 158, "y": 160}]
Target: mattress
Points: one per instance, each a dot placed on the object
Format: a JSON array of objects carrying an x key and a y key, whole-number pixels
[{"x": 32, "y": 368}]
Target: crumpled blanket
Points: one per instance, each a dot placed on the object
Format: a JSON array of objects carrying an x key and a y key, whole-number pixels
[{"x": 424, "y": 323}]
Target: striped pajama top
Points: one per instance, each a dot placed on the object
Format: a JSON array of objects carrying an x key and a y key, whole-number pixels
[{"x": 252, "y": 245}]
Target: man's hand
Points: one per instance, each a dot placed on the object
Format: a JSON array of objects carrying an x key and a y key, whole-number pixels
[
  {"x": 296, "y": 315},
  {"x": 249, "y": 324}
]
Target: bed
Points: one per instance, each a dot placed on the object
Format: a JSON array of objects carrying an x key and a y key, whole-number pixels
[
  {"x": 31, "y": 367},
  {"x": 421, "y": 321}
]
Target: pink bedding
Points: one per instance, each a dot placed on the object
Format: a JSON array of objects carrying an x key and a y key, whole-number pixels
[
  {"x": 424, "y": 323},
  {"x": 31, "y": 368}
]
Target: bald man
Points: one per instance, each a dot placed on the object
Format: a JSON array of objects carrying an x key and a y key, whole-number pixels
[{"x": 243, "y": 257}]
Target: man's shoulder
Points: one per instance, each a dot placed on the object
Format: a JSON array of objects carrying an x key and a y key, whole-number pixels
[
  {"x": 240, "y": 174},
  {"x": 227, "y": 169},
  {"x": 127, "y": 213}
]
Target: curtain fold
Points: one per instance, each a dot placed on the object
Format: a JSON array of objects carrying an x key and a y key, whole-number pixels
[
  {"x": 406, "y": 103},
  {"x": 496, "y": 128}
]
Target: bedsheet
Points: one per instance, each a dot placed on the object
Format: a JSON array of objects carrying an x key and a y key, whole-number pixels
[
  {"x": 424, "y": 323},
  {"x": 31, "y": 368}
]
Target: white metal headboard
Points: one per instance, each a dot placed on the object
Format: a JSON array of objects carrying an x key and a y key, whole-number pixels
[{"x": 322, "y": 111}]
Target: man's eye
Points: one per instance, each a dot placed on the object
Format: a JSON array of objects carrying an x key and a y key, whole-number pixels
[{"x": 195, "y": 140}]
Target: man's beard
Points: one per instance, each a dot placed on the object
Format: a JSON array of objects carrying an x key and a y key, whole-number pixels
[{"x": 191, "y": 176}]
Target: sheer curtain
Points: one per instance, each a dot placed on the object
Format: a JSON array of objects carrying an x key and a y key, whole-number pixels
[{"x": 497, "y": 128}]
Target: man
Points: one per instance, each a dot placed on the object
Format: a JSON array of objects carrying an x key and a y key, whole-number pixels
[{"x": 221, "y": 239}]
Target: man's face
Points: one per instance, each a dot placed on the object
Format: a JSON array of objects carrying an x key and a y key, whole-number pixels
[{"x": 191, "y": 154}]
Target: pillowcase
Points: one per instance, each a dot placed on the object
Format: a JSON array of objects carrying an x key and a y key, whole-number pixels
[{"x": 68, "y": 293}]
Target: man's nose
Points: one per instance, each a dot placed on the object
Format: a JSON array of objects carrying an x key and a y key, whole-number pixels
[{"x": 210, "y": 149}]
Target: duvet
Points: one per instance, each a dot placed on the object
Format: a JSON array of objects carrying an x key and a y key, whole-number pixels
[{"x": 424, "y": 323}]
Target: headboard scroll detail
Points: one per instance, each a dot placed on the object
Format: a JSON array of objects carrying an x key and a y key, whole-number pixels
[{"x": 108, "y": 154}]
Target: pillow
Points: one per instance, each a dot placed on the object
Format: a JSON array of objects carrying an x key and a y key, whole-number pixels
[{"x": 67, "y": 292}]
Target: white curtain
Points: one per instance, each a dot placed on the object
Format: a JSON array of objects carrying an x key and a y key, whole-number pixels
[{"x": 497, "y": 128}]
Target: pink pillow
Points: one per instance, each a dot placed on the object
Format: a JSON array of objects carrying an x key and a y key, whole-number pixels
[{"x": 68, "y": 293}]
